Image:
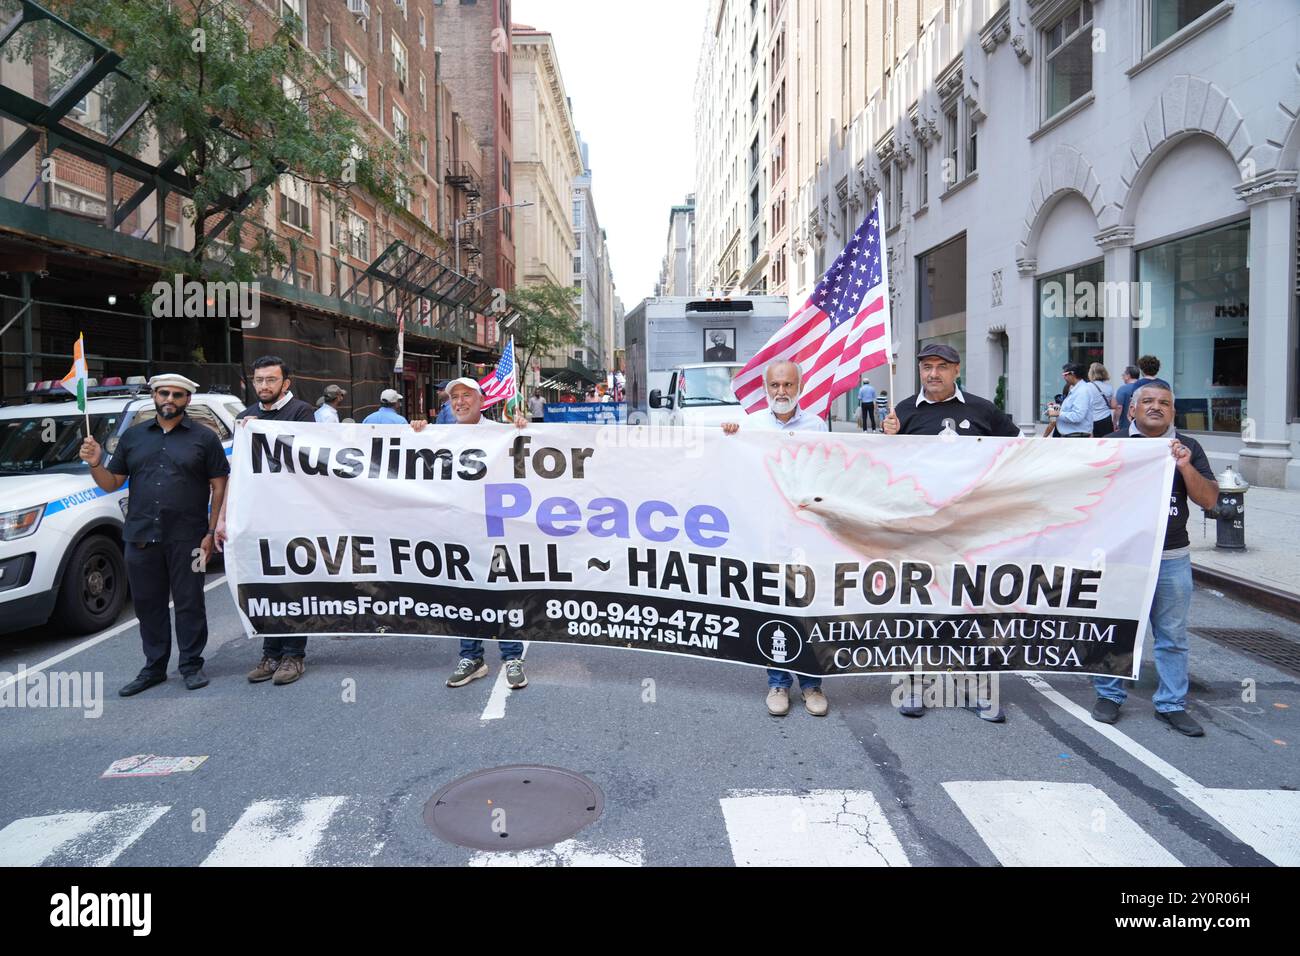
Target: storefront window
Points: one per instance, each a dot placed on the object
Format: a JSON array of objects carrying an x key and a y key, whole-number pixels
[
  {"x": 1071, "y": 319},
  {"x": 1197, "y": 321}
]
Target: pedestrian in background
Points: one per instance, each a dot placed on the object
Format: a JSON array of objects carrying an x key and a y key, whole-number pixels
[
  {"x": 1124, "y": 394},
  {"x": 1103, "y": 400},
  {"x": 1073, "y": 417},
  {"x": 331, "y": 402},
  {"x": 386, "y": 413},
  {"x": 867, "y": 399},
  {"x": 177, "y": 471}
]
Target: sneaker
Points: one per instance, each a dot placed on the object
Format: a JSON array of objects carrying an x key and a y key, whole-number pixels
[
  {"x": 815, "y": 702},
  {"x": 515, "y": 678},
  {"x": 467, "y": 669},
  {"x": 265, "y": 670},
  {"x": 778, "y": 701},
  {"x": 1105, "y": 711},
  {"x": 290, "y": 669},
  {"x": 1183, "y": 722}
]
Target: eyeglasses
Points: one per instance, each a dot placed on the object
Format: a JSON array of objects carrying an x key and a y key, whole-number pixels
[
  {"x": 267, "y": 381},
  {"x": 167, "y": 393}
]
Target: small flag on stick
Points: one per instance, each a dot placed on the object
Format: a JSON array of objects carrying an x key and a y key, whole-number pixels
[{"x": 75, "y": 380}]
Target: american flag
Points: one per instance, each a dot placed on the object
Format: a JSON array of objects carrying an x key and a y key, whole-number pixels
[
  {"x": 842, "y": 330},
  {"x": 499, "y": 385}
]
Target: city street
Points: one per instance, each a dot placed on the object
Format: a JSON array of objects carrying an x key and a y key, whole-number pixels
[{"x": 693, "y": 770}]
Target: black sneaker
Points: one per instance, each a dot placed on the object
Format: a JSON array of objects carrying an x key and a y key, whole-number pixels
[
  {"x": 467, "y": 669},
  {"x": 1183, "y": 722},
  {"x": 1105, "y": 711},
  {"x": 143, "y": 682}
]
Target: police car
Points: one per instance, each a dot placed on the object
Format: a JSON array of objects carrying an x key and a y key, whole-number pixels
[{"x": 60, "y": 535}]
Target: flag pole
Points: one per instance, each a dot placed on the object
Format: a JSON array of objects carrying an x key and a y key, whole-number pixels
[{"x": 889, "y": 323}]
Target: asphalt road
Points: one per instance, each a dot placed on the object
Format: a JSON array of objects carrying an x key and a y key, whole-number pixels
[{"x": 337, "y": 768}]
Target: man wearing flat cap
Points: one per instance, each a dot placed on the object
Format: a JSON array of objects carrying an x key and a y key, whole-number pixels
[
  {"x": 943, "y": 407},
  {"x": 331, "y": 402},
  {"x": 176, "y": 467}
]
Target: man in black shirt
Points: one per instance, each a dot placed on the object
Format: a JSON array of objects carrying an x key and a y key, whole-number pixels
[
  {"x": 1152, "y": 412},
  {"x": 283, "y": 658},
  {"x": 174, "y": 465},
  {"x": 941, "y": 400},
  {"x": 942, "y": 406}
]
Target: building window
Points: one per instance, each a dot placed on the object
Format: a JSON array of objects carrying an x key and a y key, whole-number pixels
[
  {"x": 505, "y": 171},
  {"x": 507, "y": 224},
  {"x": 1067, "y": 64},
  {"x": 400, "y": 65},
  {"x": 972, "y": 142},
  {"x": 399, "y": 126},
  {"x": 424, "y": 39},
  {"x": 941, "y": 296},
  {"x": 354, "y": 235},
  {"x": 355, "y": 72},
  {"x": 923, "y": 176},
  {"x": 1195, "y": 320},
  {"x": 1167, "y": 17},
  {"x": 297, "y": 10},
  {"x": 295, "y": 203},
  {"x": 1071, "y": 326},
  {"x": 896, "y": 183},
  {"x": 293, "y": 92},
  {"x": 951, "y": 171}
]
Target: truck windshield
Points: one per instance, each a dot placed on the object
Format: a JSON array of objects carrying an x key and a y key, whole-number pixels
[
  {"x": 45, "y": 443},
  {"x": 707, "y": 386}
]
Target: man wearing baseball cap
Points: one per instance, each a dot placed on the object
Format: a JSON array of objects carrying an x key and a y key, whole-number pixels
[
  {"x": 332, "y": 400},
  {"x": 943, "y": 407},
  {"x": 386, "y": 413},
  {"x": 176, "y": 467},
  {"x": 466, "y": 400}
]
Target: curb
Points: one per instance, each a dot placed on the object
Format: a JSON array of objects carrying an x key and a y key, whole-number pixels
[{"x": 1252, "y": 592}]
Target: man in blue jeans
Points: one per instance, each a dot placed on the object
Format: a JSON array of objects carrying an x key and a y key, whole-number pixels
[
  {"x": 465, "y": 396},
  {"x": 784, "y": 381},
  {"x": 1152, "y": 412}
]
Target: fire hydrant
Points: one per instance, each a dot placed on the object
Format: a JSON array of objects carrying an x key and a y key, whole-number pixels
[{"x": 1230, "y": 511}]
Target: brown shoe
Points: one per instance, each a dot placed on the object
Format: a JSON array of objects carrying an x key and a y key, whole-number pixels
[
  {"x": 265, "y": 670},
  {"x": 291, "y": 668}
]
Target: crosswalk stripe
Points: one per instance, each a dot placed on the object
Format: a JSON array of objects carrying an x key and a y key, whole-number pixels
[
  {"x": 817, "y": 828},
  {"x": 76, "y": 839},
  {"x": 276, "y": 833},
  {"x": 1036, "y": 823},
  {"x": 1268, "y": 821},
  {"x": 569, "y": 853}
]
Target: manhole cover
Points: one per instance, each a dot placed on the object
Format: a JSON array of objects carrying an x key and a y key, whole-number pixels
[
  {"x": 1266, "y": 645},
  {"x": 513, "y": 808}
]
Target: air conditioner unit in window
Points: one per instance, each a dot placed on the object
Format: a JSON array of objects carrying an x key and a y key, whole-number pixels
[
  {"x": 357, "y": 89},
  {"x": 359, "y": 8}
]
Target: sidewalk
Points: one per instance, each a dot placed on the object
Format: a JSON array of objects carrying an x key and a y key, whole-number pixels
[{"x": 1272, "y": 556}]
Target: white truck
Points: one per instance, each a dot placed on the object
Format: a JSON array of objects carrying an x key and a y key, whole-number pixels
[
  {"x": 682, "y": 352},
  {"x": 60, "y": 535}
]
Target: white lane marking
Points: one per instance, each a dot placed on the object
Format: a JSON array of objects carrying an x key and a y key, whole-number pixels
[
  {"x": 1268, "y": 821},
  {"x": 568, "y": 853},
  {"x": 91, "y": 642},
  {"x": 817, "y": 828},
  {"x": 1038, "y": 823},
  {"x": 496, "y": 705},
  {"x": 77, "y": 839},
  {"x": 275, "y": 833}
]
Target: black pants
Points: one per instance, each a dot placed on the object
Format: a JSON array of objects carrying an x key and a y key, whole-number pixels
[
  {"x": 159, "y": 573},
  {"x": 868, "y": 413},
  {"x": 277, "y": 647}
]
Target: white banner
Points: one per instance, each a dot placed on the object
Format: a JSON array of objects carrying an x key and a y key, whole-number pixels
[{"x": 821, "y": 554}]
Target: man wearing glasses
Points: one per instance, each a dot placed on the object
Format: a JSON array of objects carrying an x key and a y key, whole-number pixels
[
  {"x": 283, "y": 658},
  {"x": 175, "y": 465}
]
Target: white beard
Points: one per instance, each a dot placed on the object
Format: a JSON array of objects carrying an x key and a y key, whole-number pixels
[{"x": 782, "y": 405}]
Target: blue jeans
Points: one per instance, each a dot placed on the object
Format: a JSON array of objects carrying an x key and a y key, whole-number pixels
[
  {"x": 510, "y": 650},
  {"x": 785, "y": 679},
  {"x": 1173, "y": 600}
]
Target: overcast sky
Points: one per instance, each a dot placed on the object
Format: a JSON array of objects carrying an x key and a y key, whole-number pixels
[{"x": 630, "y": 71}]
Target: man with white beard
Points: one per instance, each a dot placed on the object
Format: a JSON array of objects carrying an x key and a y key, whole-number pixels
[{"x": 784, "y": 381}]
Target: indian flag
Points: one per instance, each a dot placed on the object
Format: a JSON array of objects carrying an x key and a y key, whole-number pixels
[{"x": 75, "y": 380}]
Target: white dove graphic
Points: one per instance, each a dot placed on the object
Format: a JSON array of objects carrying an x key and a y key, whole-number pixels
[{"x": 1027, "y": 490}]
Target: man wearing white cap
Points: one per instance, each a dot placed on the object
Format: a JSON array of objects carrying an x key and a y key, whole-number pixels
[
  {"x": 387, "y": 413},
  {"x": 466, "y": 398},
  {"x": 175, "y": 466}
]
